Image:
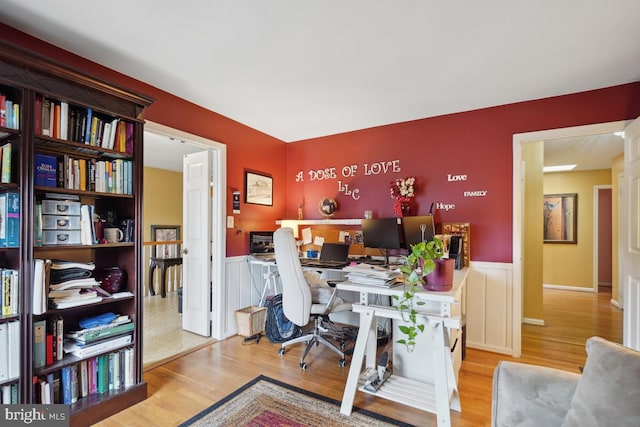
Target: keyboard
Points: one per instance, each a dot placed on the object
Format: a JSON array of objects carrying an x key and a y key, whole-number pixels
[
  {"x": 317, "y": 263},
  {"x": 370, "y": 261},
  {"x": 264, "y": 256}
]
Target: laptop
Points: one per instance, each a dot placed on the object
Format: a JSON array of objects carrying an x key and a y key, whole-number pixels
[
  {"x": 332, "y": 255},
  {"x": 261, "y": 245}
]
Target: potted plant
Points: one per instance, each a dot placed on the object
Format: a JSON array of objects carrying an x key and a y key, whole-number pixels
[{"x": 422, "y": 261}]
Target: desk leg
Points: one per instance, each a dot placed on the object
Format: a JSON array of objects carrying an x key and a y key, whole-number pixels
[
  {"x": 441, "y": 387},
  {"x": 163, "y": 282},
  {"x": 365, "y": 342},
  {"x": 152, "y": 291}
]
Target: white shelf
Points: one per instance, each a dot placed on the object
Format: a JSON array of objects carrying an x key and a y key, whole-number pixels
[
  {"x": 326, "y": 221},
  {"x": 410, "y": 392}
]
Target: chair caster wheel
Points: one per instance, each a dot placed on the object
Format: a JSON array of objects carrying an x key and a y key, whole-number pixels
[
  {"x": 303, "y": 366},
  {"x": 281, "y": 351},
  {"x": 342, "y": 346},
  {"x": 342, "y": 363}
]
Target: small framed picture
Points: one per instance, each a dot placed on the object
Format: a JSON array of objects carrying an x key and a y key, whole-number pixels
[
  {"x": 165, "y": 233},
  {"x": 258, "y": 188},
  {"x": 560, "y": 212}
]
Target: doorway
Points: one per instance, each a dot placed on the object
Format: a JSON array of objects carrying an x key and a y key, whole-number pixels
[
  {"x": 164, "y": 337},
  {"x": 602, "y": 237},
  {"x": 518, "y": 208}
]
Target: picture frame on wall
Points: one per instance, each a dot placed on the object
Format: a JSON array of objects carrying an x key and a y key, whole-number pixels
[
  {"x": 258, "y": 188},
  {"x": 165, "y": 233},
  {"x": 560, "y": 215}
]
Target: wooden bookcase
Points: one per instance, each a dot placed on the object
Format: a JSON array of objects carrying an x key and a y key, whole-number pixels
[{"x": 27, "y": 78}]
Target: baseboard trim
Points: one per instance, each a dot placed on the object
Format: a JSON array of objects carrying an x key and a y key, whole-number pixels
[
  {"x": 616, "y": 304},
  {"x": 567, "y": 288},
  {"x": 530, "y": 321}
]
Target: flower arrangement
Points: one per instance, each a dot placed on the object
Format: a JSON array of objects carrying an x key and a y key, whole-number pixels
[
  {"x": 403, "y": 188},
  {"x": 402, "y": 191}
]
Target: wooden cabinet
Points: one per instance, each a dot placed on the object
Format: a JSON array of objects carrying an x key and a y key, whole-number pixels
[{"x": 93, "y": 131}]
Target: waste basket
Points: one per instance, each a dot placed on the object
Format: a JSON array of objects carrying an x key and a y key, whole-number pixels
[{"x": 180, "y": 300}]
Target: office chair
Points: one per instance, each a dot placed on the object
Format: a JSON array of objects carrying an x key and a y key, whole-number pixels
[{"x": 298, "y": 302}]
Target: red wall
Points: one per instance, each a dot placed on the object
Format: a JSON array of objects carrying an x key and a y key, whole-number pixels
[
  {"x": 477, "y": 144},
  {"x": 246, "y": 147}
]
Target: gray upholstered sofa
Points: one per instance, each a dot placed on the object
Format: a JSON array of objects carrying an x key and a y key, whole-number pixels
[{"x": 607, "y": 393}]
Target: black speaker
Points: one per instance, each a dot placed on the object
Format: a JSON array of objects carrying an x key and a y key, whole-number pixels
[{"x": 455, "y": 251}]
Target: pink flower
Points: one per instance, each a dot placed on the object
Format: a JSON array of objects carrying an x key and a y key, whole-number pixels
[{"x": 403, "y": 188}]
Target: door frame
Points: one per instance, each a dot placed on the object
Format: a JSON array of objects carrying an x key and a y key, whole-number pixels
[
  {"x": 596, "y": 234},
  {"x": 218, "y": 215},
  {"x": 518, "y": 204}
]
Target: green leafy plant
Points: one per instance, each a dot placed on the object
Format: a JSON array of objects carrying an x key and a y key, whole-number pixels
[{"x": 419, "y": 263}]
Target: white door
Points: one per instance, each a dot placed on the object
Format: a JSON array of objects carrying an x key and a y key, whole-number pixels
[
  {"x": 196, "y": 257},
  {"x": 631, "y": 254}
]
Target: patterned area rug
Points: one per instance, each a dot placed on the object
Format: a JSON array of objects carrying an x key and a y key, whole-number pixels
[{"x": 265, "y": 402}]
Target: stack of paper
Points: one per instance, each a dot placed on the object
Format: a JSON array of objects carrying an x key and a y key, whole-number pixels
[
  {"x": 374, "y": 275},
  {"x": 72, "y": 284}
]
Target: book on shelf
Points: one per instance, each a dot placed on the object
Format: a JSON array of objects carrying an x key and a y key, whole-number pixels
[
  {"x": 9, "y": 351},
  {"x": 40, "y": 285},
  {"x": 67, "y": 265},
  {"x": 65, "y": 384},
  {"x": 38, "y": 236},
  {"x": 4, "y": 353},
  {"x": 74, "y": 383},
  {"x": 12, "y": 223},
  {"x": 5, "y": 172},
  {"x": 9, "y": 394},
  {"x": 39, "y": 343},
  {"x": 87, "y": 236},
  {"x": 46, "y": 170},
  {"x": 83, "y": 377},
  {"x": 9, "y": 292},
  {"x": 14, "y": 349},
  {"x": 37, "y": 117},
  {"x": 55, "y": 122},
  {"x": 93, "y": 349},
  {"x": 3, "y": 219},
  {"x": 87, "y": 130},
  {"x": 9, "y": 113},
  {"x": 88, "y": 282},
  {"x": 113, "y": 129},
  {"x": 94, "y": 130},
  {"x": 49, "y": 357},
  {"x": 57, "y": 332},
  {"x": 64, "y": 121},
  {"x": 96, "y": 334},
  {"x": 129, "y": 139},
  {"x": 45, "y": 115},
  {"x": 3, "y": 110},
  {"x": 60, "y": 305}
]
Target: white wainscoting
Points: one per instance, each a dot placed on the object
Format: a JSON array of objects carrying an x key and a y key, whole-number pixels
[
  {"x": 239, "y": 291},
  {"x": 488, "y": 299},
  {"x": 489, "y": 307}
]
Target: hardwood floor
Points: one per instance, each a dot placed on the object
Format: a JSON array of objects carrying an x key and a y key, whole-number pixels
[{"x": 183, "y": 387}]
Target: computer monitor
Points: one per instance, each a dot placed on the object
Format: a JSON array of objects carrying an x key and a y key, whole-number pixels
[
  {"x": 417, "y": 229},
  {"x": 261, "y": 242},
  {"x": 382, "y": 233}
]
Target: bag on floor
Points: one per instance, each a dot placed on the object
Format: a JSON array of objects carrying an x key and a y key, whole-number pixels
[{"x": 278, "y": 328}]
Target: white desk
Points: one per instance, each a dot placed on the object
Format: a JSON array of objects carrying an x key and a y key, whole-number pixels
[
  {"x": 269, "y": 275},
  {"x": 442, "y": 314}
]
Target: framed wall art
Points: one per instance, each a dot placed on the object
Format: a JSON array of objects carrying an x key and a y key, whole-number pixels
[
  {"x": 258, "y": 188},
  {"x": 165, "y": 233},
  {"x": 560, "y": 214}
]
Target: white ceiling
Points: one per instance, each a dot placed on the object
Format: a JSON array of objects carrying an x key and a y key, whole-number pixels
[{"x": 301, "y": 69}]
